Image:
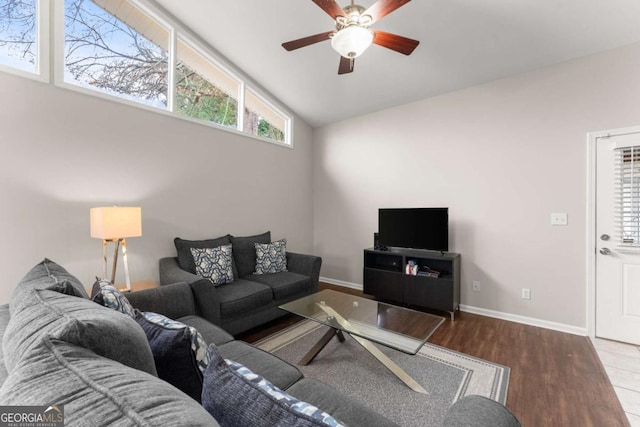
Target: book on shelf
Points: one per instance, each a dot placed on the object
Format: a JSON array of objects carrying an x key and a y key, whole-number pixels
[{"x": 427, "y": 272}]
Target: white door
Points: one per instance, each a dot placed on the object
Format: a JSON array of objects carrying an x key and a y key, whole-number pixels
[{"x": 618, "y": 238}]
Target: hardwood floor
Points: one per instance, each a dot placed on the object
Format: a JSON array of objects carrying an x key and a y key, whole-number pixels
[{"x": 556, "y": 378}]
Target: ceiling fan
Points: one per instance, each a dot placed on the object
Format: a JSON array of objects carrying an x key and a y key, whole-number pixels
[{"x": 352, "y": 35}]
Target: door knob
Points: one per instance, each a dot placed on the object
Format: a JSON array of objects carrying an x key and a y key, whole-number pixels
[{"x": 605, "y": 251}]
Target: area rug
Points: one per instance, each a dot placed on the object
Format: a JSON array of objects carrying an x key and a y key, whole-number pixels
[{"x": 447, "y": 375}]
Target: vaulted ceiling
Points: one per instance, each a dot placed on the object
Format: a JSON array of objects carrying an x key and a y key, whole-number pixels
[{"x": 462, "y": 43}]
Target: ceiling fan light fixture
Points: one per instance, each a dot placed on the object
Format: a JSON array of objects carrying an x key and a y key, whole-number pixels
[
  {"x": 352, "y": 35},
  {"x": 352, "y": 41}
]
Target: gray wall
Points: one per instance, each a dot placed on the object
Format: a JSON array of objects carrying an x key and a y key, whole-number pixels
[
  {"x": 63, "y": 152},
  {"x": 502, "y": 156}
]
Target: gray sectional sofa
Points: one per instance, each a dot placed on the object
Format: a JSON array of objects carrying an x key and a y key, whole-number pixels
[
  {"x": 61, "y": 348},
  {"x": 252, "y": 299}
]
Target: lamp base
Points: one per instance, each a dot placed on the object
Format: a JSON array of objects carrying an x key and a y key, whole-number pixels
[{"x": 118, "y": 243}]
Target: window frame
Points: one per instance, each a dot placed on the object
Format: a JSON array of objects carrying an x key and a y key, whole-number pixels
[
  {"x": 288, "y": 121},
  {"x": 202, "y": 50},
  {"x": 627, "y": 193},
  {"x": 202, "y": 47},
  {"x": 59, "y": 60},
  {"x": 175, "y": 30},
  {"x": 43, "y": 47}
]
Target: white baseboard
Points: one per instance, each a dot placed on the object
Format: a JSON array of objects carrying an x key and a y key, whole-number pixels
[
  {"x": 561, "y": 327},
  {"x": 341, "y": 283}
]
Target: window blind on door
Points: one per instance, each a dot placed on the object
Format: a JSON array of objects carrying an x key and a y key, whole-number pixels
[{"x": 627, "y": 192}]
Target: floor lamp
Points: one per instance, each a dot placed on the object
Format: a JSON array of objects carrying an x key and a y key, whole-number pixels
[{"x": 114, "y": 225}]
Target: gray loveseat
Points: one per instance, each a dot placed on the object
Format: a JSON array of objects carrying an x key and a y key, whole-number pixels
[
  {"x": 60, "y": 348},
  {"x": 252, "y": 299}
]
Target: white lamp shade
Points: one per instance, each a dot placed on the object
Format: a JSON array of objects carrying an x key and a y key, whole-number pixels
[
  {"x": 116, "y": 222},
  {"x": 351, "y": 42}
]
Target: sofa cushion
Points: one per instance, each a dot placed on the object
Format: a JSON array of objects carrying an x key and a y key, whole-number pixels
[
  {"x": 479, "y": 411},
  {"x": 97, "y": 391},
  {"x": 214, "y": 264},
  {"x": 279, "y": 372},
  {"x": 43, "y": 312},
  {"x": 179, "y": 351},
  {"x": 174, "y": 300},
  {"x": 242, "y": 296},
  {"x": 212, "y": 334},
  {"x": 244, "y": 251},
  {"x": 235, "y": 396},
  {"x": 337, "y": 404},
  {"x": 284, "y": 284},
  {"x": 183, "y": 247},
  {"x": 44, "y": 275},
  {"x": 271, "y": 257},
  {"x": 105, "y": 294}
]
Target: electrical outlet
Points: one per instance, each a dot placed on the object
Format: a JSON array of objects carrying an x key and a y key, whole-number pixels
[
  {"x": 526, "y": 293},
  {"x": 476, "y": 286},
  {"x": 559, "y": 219}
]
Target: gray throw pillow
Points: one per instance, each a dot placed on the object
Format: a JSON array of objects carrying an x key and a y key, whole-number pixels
[
  {"x": 42, "y": 312},
  {"x": 244, "y": 252},
  {"x": 66, "y": 288},
  {"x": 183, "y": 247},
  {"x": 214, "y": 264},
  {"x": 96, "y": 391},
  {"x": 271, "y": 257},
  {"x": 42, "y": 276}
]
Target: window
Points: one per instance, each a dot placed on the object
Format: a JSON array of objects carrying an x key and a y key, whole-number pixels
[
  {"x": 131, "y": 50},
  {"x": 120, "y": 48},
  {"x": 203, "y": 90},
  {"x": 114, "y": 47},
  {"x": 19, "y": 35},
  {"x": 260, "y": 119},
  {"x": 628, "y": 194}
]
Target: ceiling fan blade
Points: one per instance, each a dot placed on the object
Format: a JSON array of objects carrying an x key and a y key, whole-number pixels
[
  {"x": 306, "y": 41},
  {"x": 395, "y": 42},
  {"x": 331, "y": 7},
  {"x": 346, "y": 65},
  {"x": 382, "y": 8}
]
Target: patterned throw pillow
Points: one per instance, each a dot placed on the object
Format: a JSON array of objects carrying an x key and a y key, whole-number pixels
[
  {"x": 179, "y": 351},
  {"x": 215, "y": 264},
  {"x": 271, "y": 257},
  {"x": 104, "y": 293},
  {"x": 234, "y": 395}
]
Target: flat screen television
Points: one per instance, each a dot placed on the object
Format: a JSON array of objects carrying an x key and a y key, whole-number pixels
[{"x": 417, "y": 228}]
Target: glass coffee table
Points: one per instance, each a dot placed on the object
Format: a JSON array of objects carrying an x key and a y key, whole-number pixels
[{"x": 367, "y": 321}]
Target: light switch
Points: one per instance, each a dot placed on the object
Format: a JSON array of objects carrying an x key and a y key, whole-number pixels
[{"x": 559, "y": 219}]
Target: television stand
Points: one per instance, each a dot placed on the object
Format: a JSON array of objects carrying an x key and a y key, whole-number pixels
[{"x": 384, "y": 277}]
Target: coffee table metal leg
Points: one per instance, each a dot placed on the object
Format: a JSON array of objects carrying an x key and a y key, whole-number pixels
[
  {"x": 375, "y": 351},
  {"x": 340, "y": 335},
  {"x": 390, "y": 364},
  {"x": 317, "y": 348}
]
